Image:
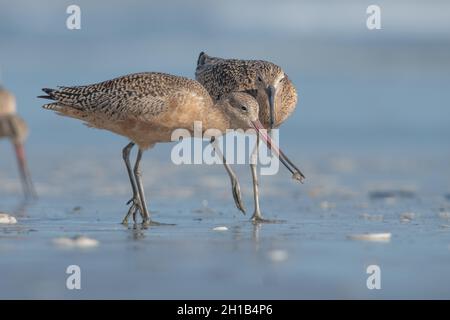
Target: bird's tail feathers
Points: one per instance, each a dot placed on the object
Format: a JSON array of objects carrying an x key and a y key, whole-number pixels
[
  {"x": 49, "y": 93},
  {"x": 51, "y": 106},
  {"x": 202, "y": 57}
]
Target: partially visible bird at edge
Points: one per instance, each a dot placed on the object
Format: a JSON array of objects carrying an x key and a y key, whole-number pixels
[{"x": 14, "y": 128}]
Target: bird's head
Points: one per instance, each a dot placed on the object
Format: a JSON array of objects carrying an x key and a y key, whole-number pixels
[
  {"x": 268, "y": 82},
  {"x": 243, "y": 109}
]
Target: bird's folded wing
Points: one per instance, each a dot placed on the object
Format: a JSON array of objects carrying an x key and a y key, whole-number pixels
[{"x": 117, "y": 103}]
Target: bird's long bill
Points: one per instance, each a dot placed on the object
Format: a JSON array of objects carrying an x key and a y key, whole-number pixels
[
  {"x": 24, "y": 172},
  {"x": 271, "y": 94},
  {"x": 296, "y": 173}
]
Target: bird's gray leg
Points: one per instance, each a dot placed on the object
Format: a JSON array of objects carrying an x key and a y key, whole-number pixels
[
  {"x": 253, "y": 163},
  {"x": 137, "y": 175},
  {"x": 257, "y": 216},
  {"x": 25, "y": 175},
  {"x": 145, "y": 214},
  {"x": 135, "y": 200},
  {"x": 235, "y": 188}
]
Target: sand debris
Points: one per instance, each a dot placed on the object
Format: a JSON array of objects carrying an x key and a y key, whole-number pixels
[
  {"x": 76, "y": 242},
  {"x": 378, "y": 237},
  {"x": 372, "y": 217},
  {"x": 325, "y": 205},
  {"x": 387, "y": 194},
  {"x": 220, "y": 228},
  {"x": 7, "y": 219},
  {"x": 278, "y": 255},
  {"x": 407, "y": 216},
  {"x": 204, "y": 208}
]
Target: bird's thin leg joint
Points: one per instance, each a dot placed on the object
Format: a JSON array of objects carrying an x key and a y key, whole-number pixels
[
  {"x": 257, "y": 216},
  {"x": 137, "y": 175},
  {"x": 135, "y": 200},
  {"x": 235, "y": 187}
]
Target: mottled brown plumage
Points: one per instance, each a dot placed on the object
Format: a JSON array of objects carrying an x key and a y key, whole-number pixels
[
  {"x": 221, "y": 76},
  {"x": 267, "y": 83},
  {"x": 14, "y": 128},
  {"x": 147, "y": 108}
]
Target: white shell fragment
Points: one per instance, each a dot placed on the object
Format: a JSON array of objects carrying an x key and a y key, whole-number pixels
[
  {"x": 325, "y": 205},
  {"x": 278, "y": 255},
  {"x": 221, "y": 228},
  {"x": 380, "y": 237},
  {"x": 7, "y": 219},
  {"x": 76, "y": 242}
]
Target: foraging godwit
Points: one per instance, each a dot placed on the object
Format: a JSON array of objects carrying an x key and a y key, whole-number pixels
[
  {"x": 146, "y": 108},
  {"x": 14, "y": 128},
  {"x": 268, "y": 84},
  {"x": 264, "y": 80}
]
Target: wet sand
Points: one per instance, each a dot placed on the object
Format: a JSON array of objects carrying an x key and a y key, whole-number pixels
[{"x": 313, "y": 254}]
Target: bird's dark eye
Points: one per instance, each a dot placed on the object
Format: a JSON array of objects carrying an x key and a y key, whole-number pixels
[
  {"x": 259, "y": 79},
  {"x": 244, "y": 108}
]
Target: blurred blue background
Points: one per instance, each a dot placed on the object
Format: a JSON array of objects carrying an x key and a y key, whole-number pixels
[{"x": 358, "y": 89}]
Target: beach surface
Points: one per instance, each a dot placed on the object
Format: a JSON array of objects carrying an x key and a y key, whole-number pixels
[{"x": 213, "y": 251}]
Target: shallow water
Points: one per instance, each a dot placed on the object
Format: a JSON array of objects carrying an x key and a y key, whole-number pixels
[{"x": 308, "y": 255}]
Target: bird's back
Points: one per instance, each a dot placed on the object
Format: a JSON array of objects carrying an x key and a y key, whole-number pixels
[
  {"x": 222, "y": 76},
  {"x": 145, "y": 107},
  {"x": 140, "y": 94}
]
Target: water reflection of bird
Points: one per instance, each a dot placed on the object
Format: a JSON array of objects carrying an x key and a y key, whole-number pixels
[
  {"x": 15, "y": 129},
  {"x": 267, "y": 83},
  {"x": 147, "y": 108}
]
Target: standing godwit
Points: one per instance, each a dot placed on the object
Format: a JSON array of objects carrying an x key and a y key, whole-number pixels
[
  {"x": 268, "y": 84},
  {"x": 146, "y": 108},
  {"x": 15, "y": 129}
]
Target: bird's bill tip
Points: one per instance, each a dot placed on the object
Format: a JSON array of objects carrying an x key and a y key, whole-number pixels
[
  {"x": 262, "y": 132},
  {"x": 298, "y": 176}
]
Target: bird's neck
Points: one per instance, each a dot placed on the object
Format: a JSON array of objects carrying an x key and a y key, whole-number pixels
[{"x": 217, "y": 118}]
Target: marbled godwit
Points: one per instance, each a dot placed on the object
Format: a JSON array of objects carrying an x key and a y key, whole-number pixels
[
  {"x": 147, "y": 108},
  {"x": 15, "y": 129},
  {"x": 267, "y": 83},
  {"x": 264, "y": 80}
]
